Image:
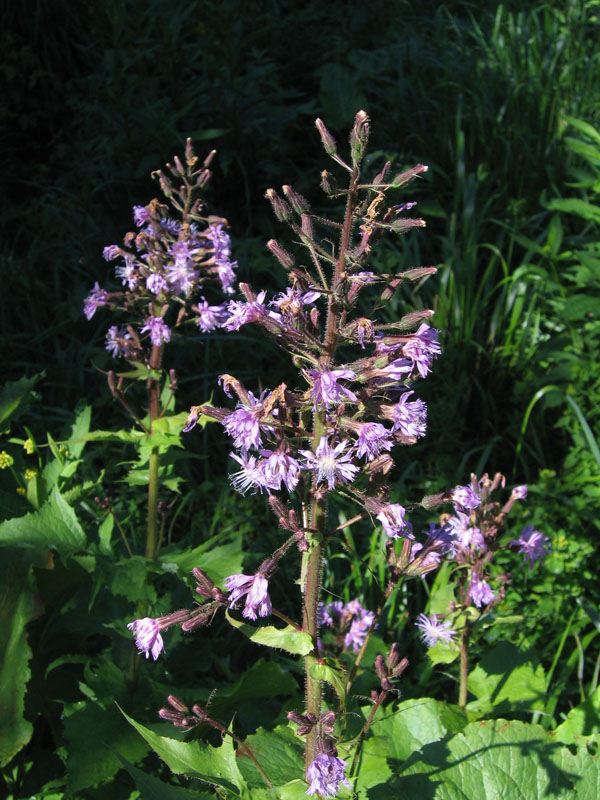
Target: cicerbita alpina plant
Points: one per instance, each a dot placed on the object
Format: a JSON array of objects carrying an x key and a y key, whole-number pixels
[
  {"x": 165, "y": 268},
  {"x": 333, "y": 434}
]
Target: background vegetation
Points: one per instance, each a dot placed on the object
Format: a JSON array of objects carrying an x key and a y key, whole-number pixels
[{"x": 502, "y": 102}]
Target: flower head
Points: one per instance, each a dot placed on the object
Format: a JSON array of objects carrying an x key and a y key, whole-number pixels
[
  {"x": 209, "y": 317},
  {"x": 256, "y": 590},
  {"x": 119, "y": 342},
  {"x": 465, "y": 497},
  {"x": 532, "y": 545},
  {"x": 391, "y": 517},
  {"x": 158, "y": 329},
  {"x": 330, "y": 463},
  {"x": 243, "y": 424},
  {"x": 147, "y": 636},
  {"x": 326, "y": 390},
  {"x": 480, "y": 592},
  {"x": 433, "y": 631},
  {"x": 410, "y": 417},
  {"x": 423, "y": 348},
  {"x": 96, "y": 299},
  {"x": 373, "y": 439},
  {"x": 325, "y": 774}
]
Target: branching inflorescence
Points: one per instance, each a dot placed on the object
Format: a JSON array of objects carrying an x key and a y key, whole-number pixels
[{"x": 334, "y": 434}]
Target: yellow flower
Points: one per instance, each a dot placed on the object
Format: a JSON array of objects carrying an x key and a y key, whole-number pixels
[
  {"x": 30, "y": 473},
  {"x": 20, "y": 490},
  {"x": 6, "y": 460},
  {"x": 29, "y": 446}
]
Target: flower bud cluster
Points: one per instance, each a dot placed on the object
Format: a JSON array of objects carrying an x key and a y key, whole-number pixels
[{"x": 164, "y": 265}]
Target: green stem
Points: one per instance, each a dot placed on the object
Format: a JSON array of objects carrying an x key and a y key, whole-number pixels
[
  {"x": 464, "y": 665},
  {"x": 154, "y": 462},
  {"x": 365, "y": 730}
]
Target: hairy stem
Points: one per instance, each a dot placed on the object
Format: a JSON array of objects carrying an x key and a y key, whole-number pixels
[
  {"x": 154, "y": 462},
  {"x": 464, "y": 665}
]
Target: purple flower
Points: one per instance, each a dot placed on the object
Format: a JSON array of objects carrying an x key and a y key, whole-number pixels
[
  {"x": 243, "y": 424},
  {"x": 480, "y": 592},
  {"x": 433, "y": 631},
  {"x": 210, "y": 317},
  {"x": 410, "y": 418},
  {"x": 361, "y": 622},
  {"x": 330, "y": 463},
  {"x": 325, "y": 774},
  {"x": 250, "y": 476},
  {"x": 156, "y": 284},
  {"x": 111, "y": 252},
  {"x": 290, "y": 303},
  {"x": 465, "y": 497},
  {"x": 532, "y": 544},
  {"x": 222, "y": 256},
  {"x": 96, "y": 299},
  {"x": 329, "y": 614},
  {"x": 280, "y": 468},
  {"x": 242, "y": 313},
  {"x": 147, "y": 636},
  {"x": 181, "y": 275},
  {"x": 141, "y": 215},
  {"x": 372, "y": 440},
  {"x": 423, "y": 348},
  {"x": 326, "y": 391},
  {"x": 159, "y": 330},
  {"x": 519, "y": 492},
  {"x": 119, "y": 342},
  {"x": 394, "y": 524},
  {"x": 127, "y": 273},
  {"x": 465, "y": 535},
  {"x": 256, "y": 589}
]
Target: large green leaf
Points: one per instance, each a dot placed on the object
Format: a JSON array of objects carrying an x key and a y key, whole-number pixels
[
  {"x": 153, "y": 788},
  {"x": 53, "y": 526},
  {"x": 218, "y": 561},
  {"x": 14, "y": 399},
  {"x": 506, "y": 678},
  {"x": 214, "y": 765},
  {"x": 495, "y": 760},
  {"x": 293, "y": 641},
  {"x": 96, "y": 738},
  {"x": 280, "y": 753},
  {"x": 582, "y": 720},
  {"x": 16, "y": 609}
]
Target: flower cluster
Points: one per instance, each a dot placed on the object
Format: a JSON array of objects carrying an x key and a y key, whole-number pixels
[
  {"x": 164, "y": 265},
  {"x": 348, "y": 623}
]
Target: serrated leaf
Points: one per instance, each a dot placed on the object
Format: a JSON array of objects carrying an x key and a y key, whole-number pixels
[
  {"x": 496, "y": 760},
  {"x": 582, "y": 720},
  {"x": 289, "y": 639},
  {"x": 576, "y": 206},
  {"x": 153, "y": 788},
  {"x": 280, "y": 754},
  {"x": 95, "y": 735},
  {"x": 214, "y": 765},
  {"x": 415, "y": 723},
  {"x": 14, "y": 398},
  {"x": 53, "y": 526},
  {"x": 329, "y": 672},
  {"x": 506, "y": 678},
  {"x": 16, "y": 609},
  {"x": 217, "y": 561}
]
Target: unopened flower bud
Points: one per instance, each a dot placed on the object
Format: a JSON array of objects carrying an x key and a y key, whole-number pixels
[
  {"x": 281, "y": 209},
  {"x": 400, "y": 668},
  {"x": 380, "y": 177},
  {"x": 177, "y": 704},
  {"x": 200, "y": 712},
  {"x": 307, "y": 226},
  {"x": 359, "y": 137},
  {"x": 297, "y": 202},
  {"x": 179, "y": 166},
  {"x": 327, "y": 721},
  {"x": 328, "y": 182},
  {"x": 285, "y": 259},
  {"x": 405, "y": 177},
  {"x": 380, "y": 668},
  {"x": 393, "y": 657},
  {"x": 327, "y": 139},
  {"x": 205, "y": 583},
  {"x": 190, "y": 156},
  {"x": 314, "y": 317}
]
